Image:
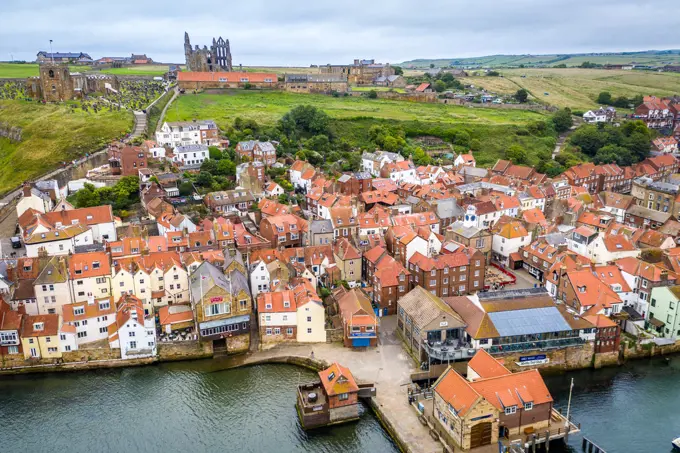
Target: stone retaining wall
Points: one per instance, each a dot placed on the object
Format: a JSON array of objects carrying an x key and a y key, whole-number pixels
[
  {"x": 86, "y": 355},
  {"x": 573, "y": 358},
  {"x": 185, "y": 350}
]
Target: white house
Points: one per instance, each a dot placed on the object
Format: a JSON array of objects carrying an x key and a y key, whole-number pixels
[
  {"x": 57, "y": 241},
  {"x": 402, "y": 171},
  {"x": 90, "y": 319},
  {"x": 190, "y": 156},
  {"x": 131, "y": 331},
  {"x": 508, "y": 239},
  {"x": 187, "y": 133},
  {"x": 597, "y": 116},
  {"x": 259, "y": 278},
  {"x": 373, "y": 162},
  {"x": 465, "y": 160},
  {"x": 611, "y": 247},
  {"x": 278, "y": 316},
  {"x": 33, "y": 199},
  {"x": 273, "y": 190},
  {"x": 67, "y": 338},
  {"x": 99, "y": 219}
]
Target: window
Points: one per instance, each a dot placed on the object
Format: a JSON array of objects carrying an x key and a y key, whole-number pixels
[
  {"x": 289, "y": 331},
  {"x": 309, "y": 319},
  {"x": 82, "y": 334},
  {"x": 343, "y": 396},
  {"x": 277, "y": 331},
  {"x": 133, "y": 345},
  {"x": 131, "y": 334},
  {"x": 103, "y": 330},
  {"x": 268, "y": 331},
  {"x": 78, "y": 311},
  {"x": 309, "y": 330},
  {"x": 528, "y": 406},
  {"x": 510, "y": 410}
]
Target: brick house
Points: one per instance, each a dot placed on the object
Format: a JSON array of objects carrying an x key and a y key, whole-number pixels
[
  {"x": 283, "y": 230},
  {"x": 607, "y": 333},
  {"x": 126, "y": 160},
  {"x": 257, "y": 151},
  {"x": 354, "y": 183},
  {"x": 447, "y": 275},
  {"x": 360, "y": 325}
]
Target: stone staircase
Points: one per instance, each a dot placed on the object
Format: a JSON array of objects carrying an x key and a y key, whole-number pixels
[{"x": 140, "y": 124}]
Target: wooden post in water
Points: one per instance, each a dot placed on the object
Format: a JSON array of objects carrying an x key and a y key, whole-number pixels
[
  {"x": 547, "y": 441},
  {"x": 584, "y": 444},
  {"x": 533, "y": 443}
]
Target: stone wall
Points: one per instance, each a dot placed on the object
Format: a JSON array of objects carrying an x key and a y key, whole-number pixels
[
  {"x": 649, "y": 350},
  {"x": 335, "y": 335},
  {"x": 85, "y": 355},
  {"x": 606, "y": 359},
  {"x": 238, "y": 343},
  {"x": 339, "y": 414},
  {"x": 572, "y": 358},
  {"x": 185, "y": 350}
]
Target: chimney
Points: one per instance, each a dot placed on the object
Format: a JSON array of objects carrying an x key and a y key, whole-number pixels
[{"x": 27, "y": 189}]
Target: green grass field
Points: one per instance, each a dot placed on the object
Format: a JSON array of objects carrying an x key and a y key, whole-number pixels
[
  {"x": 578, "y": 88},
  {"x": 268, "y": 106},
  {"x": 52, "y": 134},
  {"x": 352, "y": 117},
  {"x": 12, "y": 70},
  {"x": 367, "y": 89},
  {"x": 141, "y": 70}
]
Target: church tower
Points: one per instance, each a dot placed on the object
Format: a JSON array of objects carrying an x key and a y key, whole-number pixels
[{"x": 56, "y": 82}]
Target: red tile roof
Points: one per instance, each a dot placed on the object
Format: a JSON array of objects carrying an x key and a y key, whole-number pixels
[{"x": 231, "y": 77}]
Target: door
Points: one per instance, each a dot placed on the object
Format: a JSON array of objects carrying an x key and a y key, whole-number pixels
[
  {"x": 480, "y": 435},
  {"x": 361, "y": 342},
  {"x": 34, "y": 352}
]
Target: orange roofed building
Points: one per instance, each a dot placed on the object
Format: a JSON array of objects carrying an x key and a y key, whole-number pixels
[
  {"x": 203, "y": 80},
  {"x": 494, "y": 404},
  {"x": 359, "y": 322}
]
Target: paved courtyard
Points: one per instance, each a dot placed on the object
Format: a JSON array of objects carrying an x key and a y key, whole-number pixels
[{"x": 388, "y": 366}]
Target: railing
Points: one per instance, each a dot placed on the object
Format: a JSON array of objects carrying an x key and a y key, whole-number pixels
[
  {"x": 445, "y": 352},
  {"x": 533, "y": 345}
]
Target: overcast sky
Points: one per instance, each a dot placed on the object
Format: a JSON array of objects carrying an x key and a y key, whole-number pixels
[{"x": 296, "y": 33}]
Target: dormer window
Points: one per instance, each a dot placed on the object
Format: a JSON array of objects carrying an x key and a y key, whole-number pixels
[
  {"x": 528, "y": 406},
  {"x": 89, "y": 217},
  {"x": 38, "y": 326},
  {"x": 286, "y": 304},
  {"x": 95, "y": 265},
  {"x": 510, "y": 410},
  {"x": 78, "y": 311},
  {"x": 268, "y": 306}
]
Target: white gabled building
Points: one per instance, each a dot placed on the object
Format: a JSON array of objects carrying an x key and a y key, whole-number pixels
[
  {"x": 190, "y": 156},
  {"x": 507, "y": 239},
  {"x": 33, "y": 199},
  {"x": 90, "y": 276},
  {"x": 131, "y": 331},
  {"x": 259, "y": 278},
  {"x": 90, "y": 319},
  {"x": 52, "y": 289},
  {"x": 172, "y": 134}
]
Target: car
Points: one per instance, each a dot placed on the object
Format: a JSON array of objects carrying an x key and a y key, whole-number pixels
[{"x": 16, "y": 242}]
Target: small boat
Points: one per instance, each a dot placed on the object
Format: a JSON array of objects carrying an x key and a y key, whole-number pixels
[{"x": 676, "y": 444}]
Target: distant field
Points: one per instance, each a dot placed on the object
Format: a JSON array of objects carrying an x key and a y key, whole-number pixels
[
  {"x": 52, "y": 134},
  {"x": 279, "y": 70},
  {"x": 12, "y": 71},
  {"x": 268, "y": 106},
  {"x": 366, "y": 89},
  {"x": 142, "y": 70},
  {"x": 579, "y": 88},
  {"x": 653, "y": 58}
]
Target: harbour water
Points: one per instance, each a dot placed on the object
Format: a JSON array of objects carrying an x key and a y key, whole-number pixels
[
  {"x": 195, "y": 406},
  {"x": 184, "y": 407}
]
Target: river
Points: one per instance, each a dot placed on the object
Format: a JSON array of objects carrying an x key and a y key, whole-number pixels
[
  {"x": 183, "y": 407},
  {"x": 195, "y": 407}
]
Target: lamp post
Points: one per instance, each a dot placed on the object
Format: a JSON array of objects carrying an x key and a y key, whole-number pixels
[{"x": 51, "y": 53}]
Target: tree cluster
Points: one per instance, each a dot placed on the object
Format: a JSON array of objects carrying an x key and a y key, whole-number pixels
[
  {"x": 606, "y": 98},
  {"x": 623, "y": 145},
  {"x": 120, "y": 196}
]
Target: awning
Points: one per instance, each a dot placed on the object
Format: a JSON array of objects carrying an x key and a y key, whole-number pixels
[
  {"x": 224, "y": 322},
  {"x": 656, "y": 323}
]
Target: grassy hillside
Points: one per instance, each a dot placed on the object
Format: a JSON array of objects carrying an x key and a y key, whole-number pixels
[
  {"x": 495, "y": 129},
  {"x": 52, "y": 134},
  {"x": 579, "y": 88},
  {"x": 12, "y": 70},
  {"x": 651, "y": 57}
]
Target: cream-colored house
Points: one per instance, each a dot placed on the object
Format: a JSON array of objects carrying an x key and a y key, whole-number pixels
[
  {"x": 40, "y": 337},
  {"x": 311, "y": 314},
  {"x": 51, "y": 288},
  {"x": 90, "y": 275}
]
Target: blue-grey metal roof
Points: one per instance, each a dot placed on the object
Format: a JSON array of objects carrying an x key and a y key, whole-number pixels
[{"x": 528, "y": 322}]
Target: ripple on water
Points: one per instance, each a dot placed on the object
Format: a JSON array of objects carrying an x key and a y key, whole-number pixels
[{"x": 171, "y": 408}]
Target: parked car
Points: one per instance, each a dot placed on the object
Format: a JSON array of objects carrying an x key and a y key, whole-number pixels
[{"x": 16, "y": 242}]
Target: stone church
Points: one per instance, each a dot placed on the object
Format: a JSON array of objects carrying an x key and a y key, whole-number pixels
[
  {"x": 217, "y": 58},
  {"x": 56, "y": 83}
]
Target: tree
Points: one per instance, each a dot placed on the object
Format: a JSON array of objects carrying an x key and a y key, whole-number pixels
[
  {"x": 420, "y": 157},
  {"x": 214, "y": 152},
  {"x": 588, "y": 139},
  {"x": 226, "y": 167},
  {"x": 372, "y": 94},
  {"x": 210, "y": 166},
  {"x": 186, "y": 188},
  {"x": 613, "y": 154},
  {"x": 304, "y": 119},
  {"x": 604, "y": 98},
  {"x": 204, "y": 179},
  {"x": 439, "y": 86},
  {"x": 522, "y": 95},
  {"x": 431, "y": 65},
  {"x": 562, "y": 120},
  {"x": 398, "y": 70},
  {"x": 447, "y": 78},
  {"x": 463, "y": 139},
  {"x": 516, "y": 154},
  {"x": 493, "y": 74},
  {"x": 475, "y": 144}
]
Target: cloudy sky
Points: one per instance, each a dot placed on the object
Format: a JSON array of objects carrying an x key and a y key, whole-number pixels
[{"x": 268, "y": 32}]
